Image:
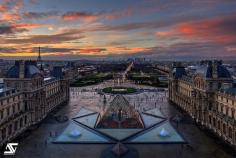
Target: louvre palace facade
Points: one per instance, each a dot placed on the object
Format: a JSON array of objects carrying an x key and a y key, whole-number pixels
[
  {"x": 27, "y": 98},
  {"x": 207, "y": 94}
]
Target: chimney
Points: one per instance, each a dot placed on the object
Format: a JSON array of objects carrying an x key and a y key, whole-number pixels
[
  {"x": 22, "y": 69},
  {"x": 216, "y": 64}
]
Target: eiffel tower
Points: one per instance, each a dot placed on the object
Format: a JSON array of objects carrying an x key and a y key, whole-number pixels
[{"x": 39, "y": 59}]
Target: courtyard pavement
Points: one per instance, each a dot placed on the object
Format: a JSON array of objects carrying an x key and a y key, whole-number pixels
[{"x": 37, "y": 143}]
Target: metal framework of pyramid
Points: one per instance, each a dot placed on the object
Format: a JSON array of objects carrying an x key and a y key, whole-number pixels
[
  {"x": 119, "y": 149},
  {"x": 120, "y": 102},
  {"x": 120, "y": 114}
]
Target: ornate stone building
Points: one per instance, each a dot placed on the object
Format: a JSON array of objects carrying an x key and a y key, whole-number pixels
[
  {"x": 29, "y": 100},
  {"x": 208, "y": 96}
]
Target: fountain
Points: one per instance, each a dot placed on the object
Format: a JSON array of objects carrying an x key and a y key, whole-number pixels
[
  {"x": 164, "y": 133},
  {"x": 75, "y": 133}
]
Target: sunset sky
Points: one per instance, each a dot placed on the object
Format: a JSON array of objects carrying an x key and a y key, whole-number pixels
[{"x": 70, "y": 29}]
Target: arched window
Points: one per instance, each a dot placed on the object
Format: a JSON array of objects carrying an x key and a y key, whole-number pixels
[
  {"x": 13, "y": 108},
  {"x": 230, "y": 132},
  {"x": 21, "y": 123},
  {"x": 224, "y": 128},
  {"x": 9, "y": 129},
  {"x": 210, "y": 119},
  {"x": 232, "y": 112},
  {"x": 25, "y": 119},
  {"x": 214, "y": 122},
  {"x": 222, "y": 108},
  {"x": 226, "y": 110},
  {"x": 219, "y": 125},
  {"x": 15, "y": 126},
  {"x": 3, "y": 133},
  {"x": 26, "y": 106}
]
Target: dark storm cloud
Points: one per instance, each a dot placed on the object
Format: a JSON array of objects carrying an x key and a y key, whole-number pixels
[
  {"x": 53, "y": 50},
  {"x": 7, "y": 50},
  {"x": 10, "y": 30},
  {"x": 228, "y": 24},
  {"x": 65, "y": 36},
  {"x": 6, "y": 30},
  {"x": 134, "y": 26},
  {"x": 40, "y": 15},
  {"x": 77, "y": 15},
  {"x": 68, "y": 50},
  {"x": 187, "y": 49}
]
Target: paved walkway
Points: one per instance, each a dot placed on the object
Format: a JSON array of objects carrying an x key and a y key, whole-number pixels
[{"x": 37, "y": 144}]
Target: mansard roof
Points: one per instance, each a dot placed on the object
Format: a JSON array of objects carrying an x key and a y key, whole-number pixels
[
  {"x": 178, "y": 72},
  {"x": 230, "y": 91},
  {"x": 223, "y": 72},
  {"x": 30, "y": 69},
  {"x": 207, "y": 71}
]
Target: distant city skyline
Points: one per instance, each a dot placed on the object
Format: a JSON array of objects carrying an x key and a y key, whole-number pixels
[{"x": 74, "y": 29}]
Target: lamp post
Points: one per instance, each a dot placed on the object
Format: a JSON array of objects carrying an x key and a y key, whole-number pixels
[{"x": 194, "y": 94}]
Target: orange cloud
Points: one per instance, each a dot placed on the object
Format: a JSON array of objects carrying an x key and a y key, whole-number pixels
[
  {"x": 163, "y": 33},
  {"x": 14, "y": 28},
  {"x": 220, "y": 29},
  {"x": 79, "y": 16},
  {"x": 10, "y": 16},
  {"x": 231, "y": 49},
  {"x": 110, "y": 50},
  {"x": 10, "y": 10},
  {"x": 27, "y": 26},
  {"x": 3, "y": 8},
  {"x": 136, "y": 49},
  {"x": 91, "y": 51},
  {"x": 126, "y": 50},
  {"x": 186, "y": 29}
]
